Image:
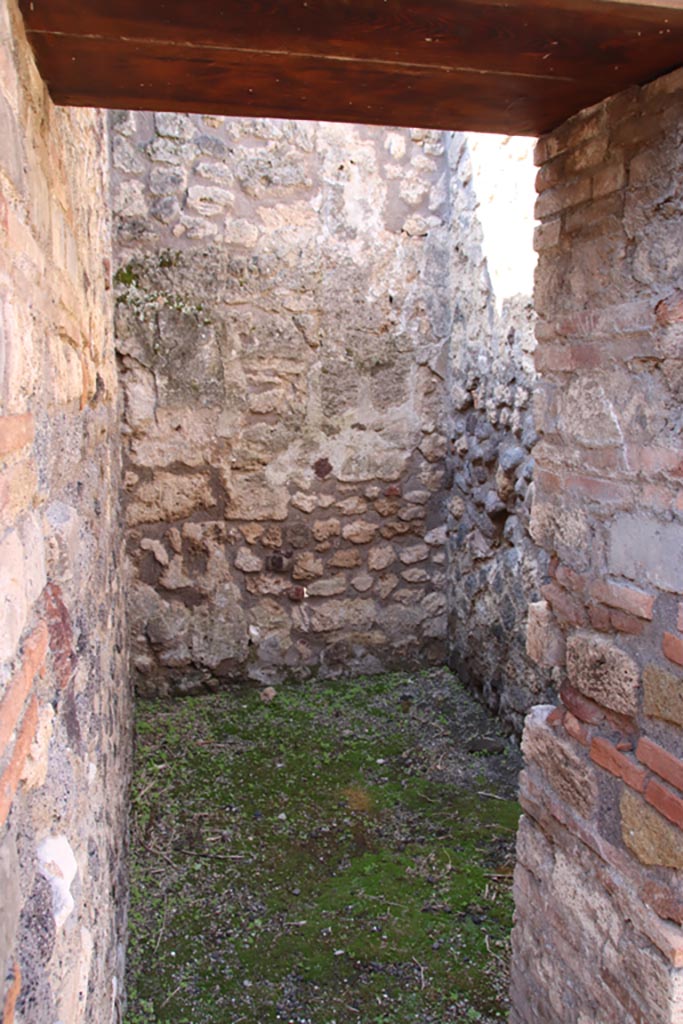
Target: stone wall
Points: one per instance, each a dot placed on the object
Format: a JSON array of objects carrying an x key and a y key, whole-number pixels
[
  {"x": 495, "y": 569},
  {"x": 64, "y": 707},
  {"x": 299, "y": 306},
  {"x": 599, "y": 883},
  {"x": 282, "y": 325}
]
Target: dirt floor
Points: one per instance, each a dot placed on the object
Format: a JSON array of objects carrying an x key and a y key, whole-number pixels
[{"x": 338, "y": 853}]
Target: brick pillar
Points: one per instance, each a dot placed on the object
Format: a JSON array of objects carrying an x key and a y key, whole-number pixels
[{"x": 599, "y": 881}]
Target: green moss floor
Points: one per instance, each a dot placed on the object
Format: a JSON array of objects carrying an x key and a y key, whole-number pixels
[{"x": 342, "y": 853}]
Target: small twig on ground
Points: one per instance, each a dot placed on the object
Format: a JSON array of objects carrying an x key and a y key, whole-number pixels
[
  {"x": 210, "y": 856},
  {"x": 422, "y": 972},
  {"x": 138, "y": 796},
  {"x": 169, "y": 997},
  {"x": 491, "y": 796},
  {"x": 160, "y": 853},
  {"x": 380, "y": 899},
  {"x": 163, "y": 925}
]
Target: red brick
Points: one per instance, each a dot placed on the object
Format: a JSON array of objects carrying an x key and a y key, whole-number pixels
[
  {"x": 606, "y": 322},
  {"x": 598, "y": 489},
  {"x": 19, "y": 687},
  {"x": 61, "y": 634},
  {"x": 626, "y": 599},
  {"x": 625, "y": 623},
  {"x": 570, "y": 579},
  {"x": 600, "y": 618},
  {"x": 663, "y": 902},
  {"x": 15, "y": 432},
  {"x": 12, "y": 995},
  {"x": 576, "y": 729},
  {"x": 665, "y": 801},
  {"x": 660, "y": 761},
  {"x": 656, "y": 460},
  {"x": 670, "y": 310},
  {"x": 672, "y": 646},
  {"x": 555, "y": 717},
  {"x": 567, "y": 608},
  {"x": 657, "y": 496},
  {"x": 622, "y": 723},
  {"x": 548, "y": 483},
  {"x": 605, "y": 754},
  {"x": 581, "y": 707},
  {"x": 10, "y": 777},
  {"x": 553, "y": 359}
]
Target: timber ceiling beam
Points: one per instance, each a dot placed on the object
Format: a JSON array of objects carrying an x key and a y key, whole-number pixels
[{"x": 513, "y": 66}]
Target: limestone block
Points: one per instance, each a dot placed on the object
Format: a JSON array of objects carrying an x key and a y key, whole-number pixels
[
  {"x": 362, "y": 583},
  {"x": 157, "y": 548},
  {"x": 380, "y": 556},
  {"x": 414, "y": 553},
  {"x": 167, "y": 180},
  {"x": 434, "y": 603},
  {"x": 34, "y": 772},
  {"x": 304, "y": 502},
  {"x": 571, "y": 775},
  {"x": 360, "y": 531},
  {"x": 169, "y": 496},
  {"x": 369, "y": 457},
  {"x": 353, "y": 506},
  {"x": 209, "y": 201},
  {"x": 329, "y": 587},
  {"x": 13, "y": 607},
  {"x": 544, "y": 640},
  {"x": 386, "y": 585},
  {"x": 662, "y": 694},
  {"x": 415, "y": 576},
  {"x": 648, "y": 835},
  {"x": 346, "y": 559},
  {"x": 351, "y": 614},
  {"x": 602, "y": 671},
  {"x": 253, "y": 498},
  {"x": 642, "y": 548},
  {"x": 436, "y": 537},
  {"x": 266, "y": 583},
  {"x": 163, "y": 621},
  {"x": 240, "y": 232},
  {"x": 436, "y": 627},
  {"x": 174, "y": 576},
  {"x": 306, "y": 566},
  {"x": 323, "y": 529},
  {"x": 10, "y": 898},
  {"x": 175, "y": 126},
  {"x": 218, "y": 630},
  {"x": 433, "y": 447},
  {"x": 247, "y": 561}
]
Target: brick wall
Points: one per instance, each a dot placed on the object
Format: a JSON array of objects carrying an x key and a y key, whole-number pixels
[
  {"x": 63, "y": 696},
  {"x": 599, "y": 884}
]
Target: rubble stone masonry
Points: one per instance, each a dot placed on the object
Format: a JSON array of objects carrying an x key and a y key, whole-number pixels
[
  {"x": 599, "y": 880},
  {"x": 338, "y": 456},
  {"x": 64, "y": 709},
  {"x": 289, "y": 300},
  {"x": 282, "y": 335}
]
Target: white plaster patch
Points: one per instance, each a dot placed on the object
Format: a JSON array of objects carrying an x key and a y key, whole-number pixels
[{"x": 58, "y": 866}]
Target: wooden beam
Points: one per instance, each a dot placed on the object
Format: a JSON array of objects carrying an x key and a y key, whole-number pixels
[{"x": 493, "y": 65}]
